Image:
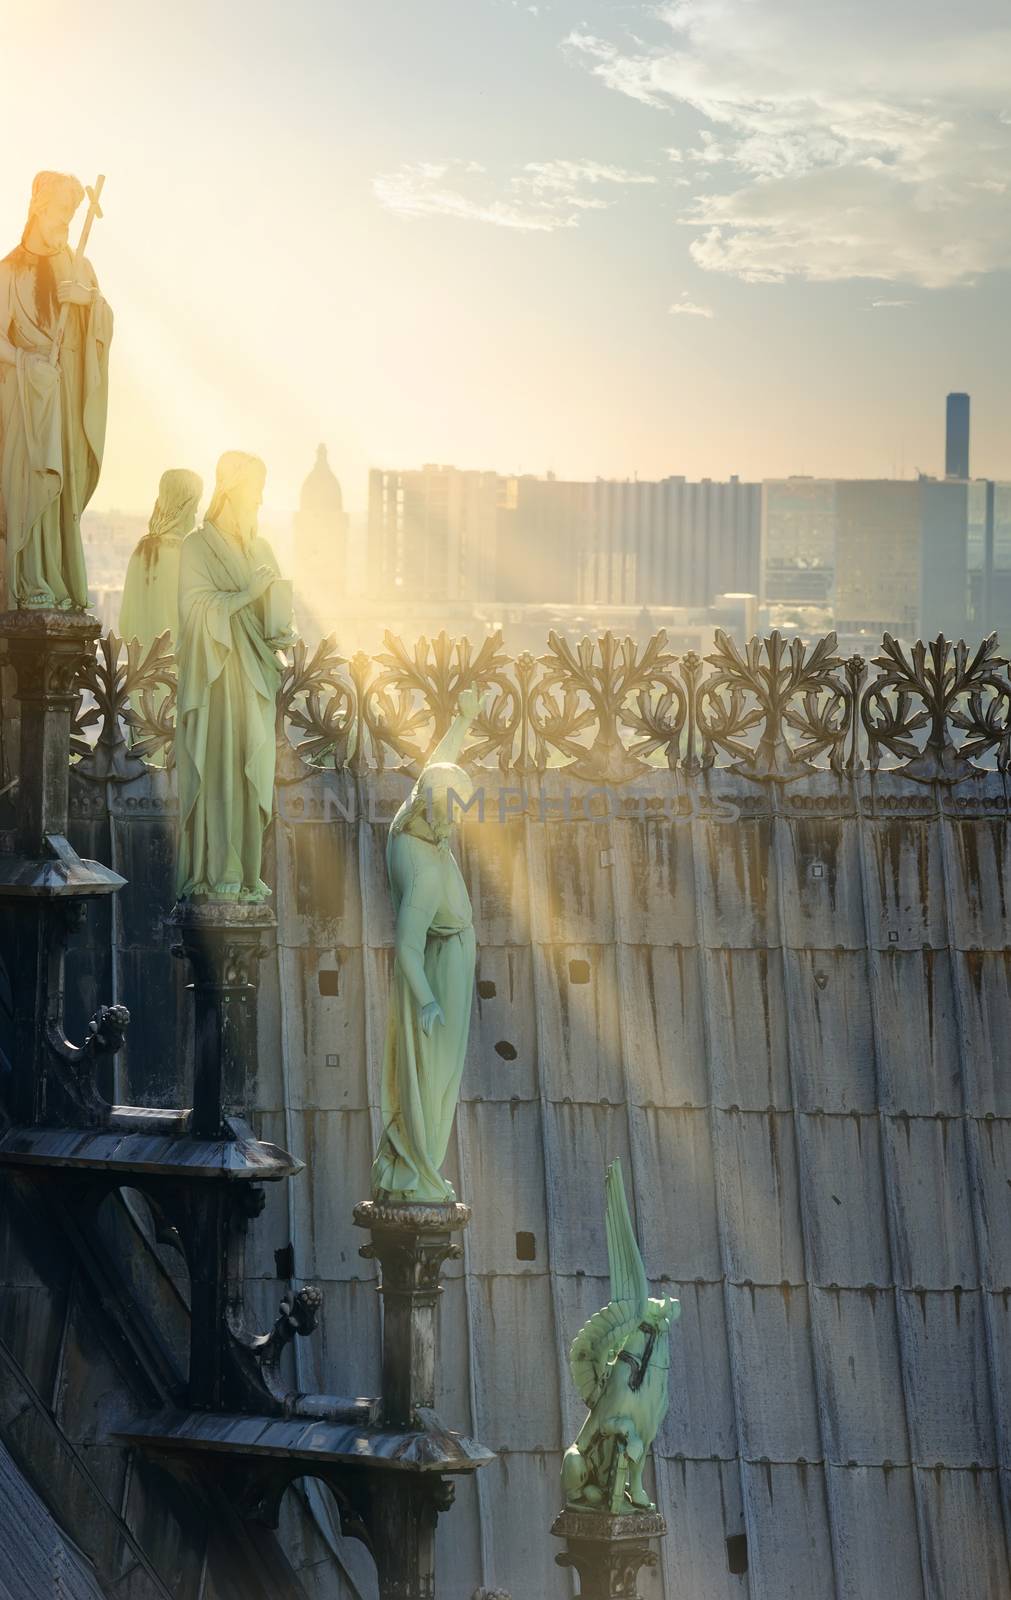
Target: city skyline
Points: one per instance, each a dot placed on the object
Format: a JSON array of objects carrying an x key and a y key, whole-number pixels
[
  {"x": 700, "y": 239},
  {"x": 865, "y": 556},
  {"x": 274, "y": 511}
]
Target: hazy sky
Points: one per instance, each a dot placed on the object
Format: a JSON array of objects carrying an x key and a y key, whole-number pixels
[{"x": 753, "y": 236}]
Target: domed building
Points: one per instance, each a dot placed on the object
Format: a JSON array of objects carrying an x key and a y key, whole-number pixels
[{"x": 321, "y": 529}]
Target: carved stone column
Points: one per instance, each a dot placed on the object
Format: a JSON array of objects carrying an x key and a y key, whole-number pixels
[
  {"x": 411, "y": 1244},
  {"x": 608, "y": 1552},
  {"x": 47, "y": 650},
  {"x": 44, "y": 884},
  {"x": 224, "y": 944},
  {"x": 405, "y": 1511}
]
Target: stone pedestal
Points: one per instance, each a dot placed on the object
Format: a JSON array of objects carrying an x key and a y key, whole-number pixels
[
  {"x": 411, "y": 1244},
  {"x": 608, "y": 1552},
  {"x": 223, "y": 943}
]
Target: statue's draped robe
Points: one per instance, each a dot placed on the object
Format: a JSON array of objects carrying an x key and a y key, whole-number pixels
[
  {"x": 225, "y": 752},
  {"x": 421, "y": 1074},
  {"x": 52, "y": 434},
  {"x": 150, "y": 603},
  {"x": 150, "y": 607}
]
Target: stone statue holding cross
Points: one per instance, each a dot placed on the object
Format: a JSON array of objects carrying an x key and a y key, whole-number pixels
[{"x": 55, "y": 330}]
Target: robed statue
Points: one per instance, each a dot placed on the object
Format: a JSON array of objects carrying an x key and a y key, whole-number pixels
[
  {"x": 55, "y": 330},
  {"x": 234, "y": 614},
  {"x": 150, "y": 603},
  {"x": 433, "y": 979},
  {"x": 619, "y": 1363}
]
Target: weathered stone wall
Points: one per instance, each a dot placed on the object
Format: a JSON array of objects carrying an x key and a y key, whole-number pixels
[{"x": 786, "y": 1007}]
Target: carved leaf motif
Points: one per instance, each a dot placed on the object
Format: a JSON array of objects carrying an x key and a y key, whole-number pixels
[
  {"x": 121, "y": 688},
  {"x": 956, "y": 691},
  {"x": 413, "y": 700},
  {"x": 607, "y": 684},
  {"x": 150, "y": 689},
  {"x": 604, "y": 708},
  {"x": 314, "y": 700},
  {"x": 779, "y": 687}
]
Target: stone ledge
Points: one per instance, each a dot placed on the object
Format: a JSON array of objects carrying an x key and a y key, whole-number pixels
[
  {"x": 605, "y": 1527},
  {"x": 147, "y": 1142},
  {"x": 350, "y": 1437},
  {"x": 203, "y": 913},
  {"x": 47, "y": 623},
  {"x": 411, "y": 1217}
]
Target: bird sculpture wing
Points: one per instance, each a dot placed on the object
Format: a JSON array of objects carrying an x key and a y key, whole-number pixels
[
  {"x": 628, "y": 1275},
  {"x": 605, "y": 1335}
]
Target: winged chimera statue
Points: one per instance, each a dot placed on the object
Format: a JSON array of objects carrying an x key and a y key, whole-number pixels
[{"x": 619, "y": 1363}]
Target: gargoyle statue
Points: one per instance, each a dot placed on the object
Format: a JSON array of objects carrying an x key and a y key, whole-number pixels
[
  {"x": 298, "y": 1315},
  {"x": 256, "y": 1358},
  {"x": 75, "y": 1064},
  {"x": 619, "y": 1364}
]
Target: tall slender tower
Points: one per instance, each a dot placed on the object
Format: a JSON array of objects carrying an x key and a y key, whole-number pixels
[{"x": 956, "y": 440}]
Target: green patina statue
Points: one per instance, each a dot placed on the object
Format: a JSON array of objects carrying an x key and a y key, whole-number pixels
[
  {"x": 150, "y": 603},
  {"x": 619, "y": 1363},
  {"x": 234, "y": 614},
  {"x": 433, "y": 980}
]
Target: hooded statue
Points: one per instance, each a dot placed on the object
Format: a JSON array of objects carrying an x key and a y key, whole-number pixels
[{"x": 150, "y": 604}]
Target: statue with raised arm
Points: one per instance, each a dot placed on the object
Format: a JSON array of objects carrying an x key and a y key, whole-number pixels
[
  {"x": 433, "y": 979},
  {"x": 234, "y": 613},
  {"x": 55, "y": 331},
  {"x": 619, "y": 1363}
]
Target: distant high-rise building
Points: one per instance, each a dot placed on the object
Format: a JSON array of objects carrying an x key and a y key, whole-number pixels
[
  {"x": 461, "y": 536},
  {"x": 877, "y": 560},
  {"x": 874, "y": 555},
  {"x": 798, "y": 542},
  {"x": 989, "y": 559},
  {"x": 542, "y": 537},
  {"x": 432, "y": 534},
  {"x": 944, "y": 540},
  {"x": 321, "y": 526},
  {"x": 627, "y": 542},
  {"x": 901, "y": 557},
  {"x": 956, "y": 437}
]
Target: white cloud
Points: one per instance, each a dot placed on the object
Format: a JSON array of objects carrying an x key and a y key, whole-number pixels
[
  {"x": 541, "y": 197},
  {"x": 689, "y": 308},
  {"x": 891, "y": 305},
  {"x": 628, "y": 74},
  {"x": 851, "y": 141},
  {"x": 568, "y": 175}
]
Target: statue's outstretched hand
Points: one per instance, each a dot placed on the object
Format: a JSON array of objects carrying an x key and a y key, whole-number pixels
[
  {"x": 470, "y": 703},
  {"x": 262, "y": 579},
  {"x": 430, "y": 1015}
]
